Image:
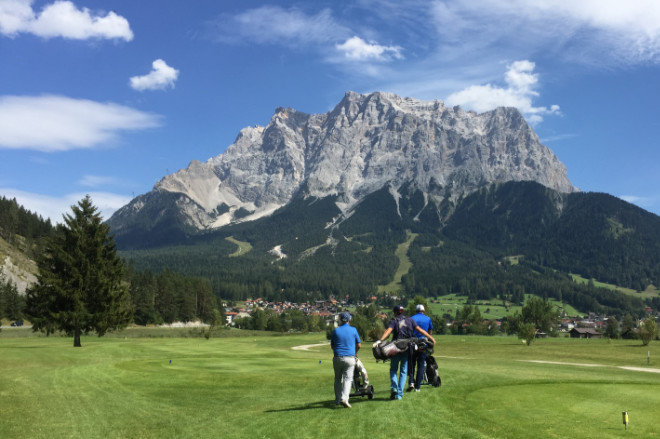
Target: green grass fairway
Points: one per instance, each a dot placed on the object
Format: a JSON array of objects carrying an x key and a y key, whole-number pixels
[{"x": 259, "y": 387}]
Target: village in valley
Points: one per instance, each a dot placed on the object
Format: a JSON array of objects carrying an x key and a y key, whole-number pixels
[{"x": 591, "y": 325}]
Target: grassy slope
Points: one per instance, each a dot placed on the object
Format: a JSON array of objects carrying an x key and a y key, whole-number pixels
[
  {"x": 490, "y": 309},
  {"x": 404, "y": 265},
  {"x": 243, "y": 247},
  {"x": 650, "y": 292},
  {"x": 259, "y": 387}
]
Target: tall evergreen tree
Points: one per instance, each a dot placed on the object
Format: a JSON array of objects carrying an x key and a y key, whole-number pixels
[
  {"x": 628, "y": 327},
  {"x": 612, "y": 328},
  {"x": 79, "y": 287}
]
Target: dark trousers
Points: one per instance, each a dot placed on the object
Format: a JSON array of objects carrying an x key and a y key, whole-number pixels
[{"x": 417, "y": 361}]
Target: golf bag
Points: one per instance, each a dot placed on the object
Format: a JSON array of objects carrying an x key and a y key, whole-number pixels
[
  {"x": 431, "y": 376},
  {"x": 361, "y": 384},
  {"x": 384, "y": 351}
]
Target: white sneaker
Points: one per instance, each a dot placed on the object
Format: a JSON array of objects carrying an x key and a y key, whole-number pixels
[{"x": 346, "y": 404}]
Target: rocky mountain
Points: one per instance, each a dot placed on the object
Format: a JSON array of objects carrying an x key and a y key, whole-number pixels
[{"x": 368, "y": 142}]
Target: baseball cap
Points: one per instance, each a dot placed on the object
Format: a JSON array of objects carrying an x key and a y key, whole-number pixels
[{"x": 345, "y": 316}]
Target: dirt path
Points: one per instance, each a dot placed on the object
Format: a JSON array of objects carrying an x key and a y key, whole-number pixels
[
  {"x": 306, "y": 347},
  {"x": 635, "y": 369}
]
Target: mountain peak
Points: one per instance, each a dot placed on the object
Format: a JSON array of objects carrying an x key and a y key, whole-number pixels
[{"x": 367, "y": 142}]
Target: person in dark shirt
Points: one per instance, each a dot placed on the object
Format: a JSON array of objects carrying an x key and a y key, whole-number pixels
[{"x": 401, "y": 327}]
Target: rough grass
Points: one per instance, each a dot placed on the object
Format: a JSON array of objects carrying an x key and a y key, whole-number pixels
[{"x": 257, "y": 386}]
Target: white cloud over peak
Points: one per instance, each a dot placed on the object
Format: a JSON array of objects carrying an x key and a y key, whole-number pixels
[
  {"x": 519, "y": 92},
  {"x": 61, "y": 19},
  {"x": 356, "y": 49},
  {"x": 59, "y": 123},
  {"x": 161, "y": 77}
]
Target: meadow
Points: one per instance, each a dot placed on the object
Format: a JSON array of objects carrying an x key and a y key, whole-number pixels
[
  {"x": 489, "y": 309},
  {"x": 146, "y": 385}
]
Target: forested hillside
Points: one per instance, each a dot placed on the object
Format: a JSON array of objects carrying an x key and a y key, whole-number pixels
[
  {"x": 20, "y": 227},
  {"x": 592, "y": 234},
  {"x": 164, "y": 297},
  {"x": 501, "y": 242}
]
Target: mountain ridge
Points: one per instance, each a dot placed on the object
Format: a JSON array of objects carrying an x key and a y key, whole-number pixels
[{"x": 366, "y": 142}]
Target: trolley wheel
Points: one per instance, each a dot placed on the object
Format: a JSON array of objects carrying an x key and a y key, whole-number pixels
[
  {"x": 437, "y": 382},
  {"x": 371, "y": 392}
]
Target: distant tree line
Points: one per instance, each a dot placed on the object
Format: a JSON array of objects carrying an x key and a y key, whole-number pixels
[
  {"x": 170, "y": 297},
  {"x": 288, "y": 320}
]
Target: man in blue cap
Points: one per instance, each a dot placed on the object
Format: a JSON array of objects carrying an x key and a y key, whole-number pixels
[
  {"x": 345, "y": 343},
  {"x": 419, "y": 356},
  {"x": 401, "y": 327}
]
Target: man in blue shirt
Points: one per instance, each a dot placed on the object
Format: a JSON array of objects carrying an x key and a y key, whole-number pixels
[
  {"x": 345, "y": 343},
  {"x": 401, "y": 327},
  {"x": 419, "y": 356}
]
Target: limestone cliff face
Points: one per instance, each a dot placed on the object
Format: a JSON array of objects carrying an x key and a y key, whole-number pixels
[{"x": 365, "y": 143}]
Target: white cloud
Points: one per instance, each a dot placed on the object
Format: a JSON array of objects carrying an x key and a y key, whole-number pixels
[
  {"x": 61, "y": 19},
  {"x": 276, "y": 25},
  {"x": 519, "y": 93},
  {"x": 55, "y": 207},
  {"x": 356, "y": 49},
  {"x": 599, "y": 32},
  {"x": 59, "y": 123},
  {"x": 161, "y": 77},
  {"x": 334, "y": 41},
  {"x": 98, "y": 180}
]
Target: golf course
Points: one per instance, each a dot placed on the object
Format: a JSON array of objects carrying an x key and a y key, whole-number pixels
[{"x": 256, "y": 385}]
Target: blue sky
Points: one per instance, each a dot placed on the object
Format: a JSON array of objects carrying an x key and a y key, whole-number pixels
[{"x": 106, "y": 98}]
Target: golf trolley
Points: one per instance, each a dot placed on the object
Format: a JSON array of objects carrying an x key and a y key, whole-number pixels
[
  {"x": 431, "y": 376},
  {"x": 361, "y": 386}
]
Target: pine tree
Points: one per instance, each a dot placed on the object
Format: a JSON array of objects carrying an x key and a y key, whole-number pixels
[
  {"x": 612, "y": 328},
  {"x": 79, "y": 289}
]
